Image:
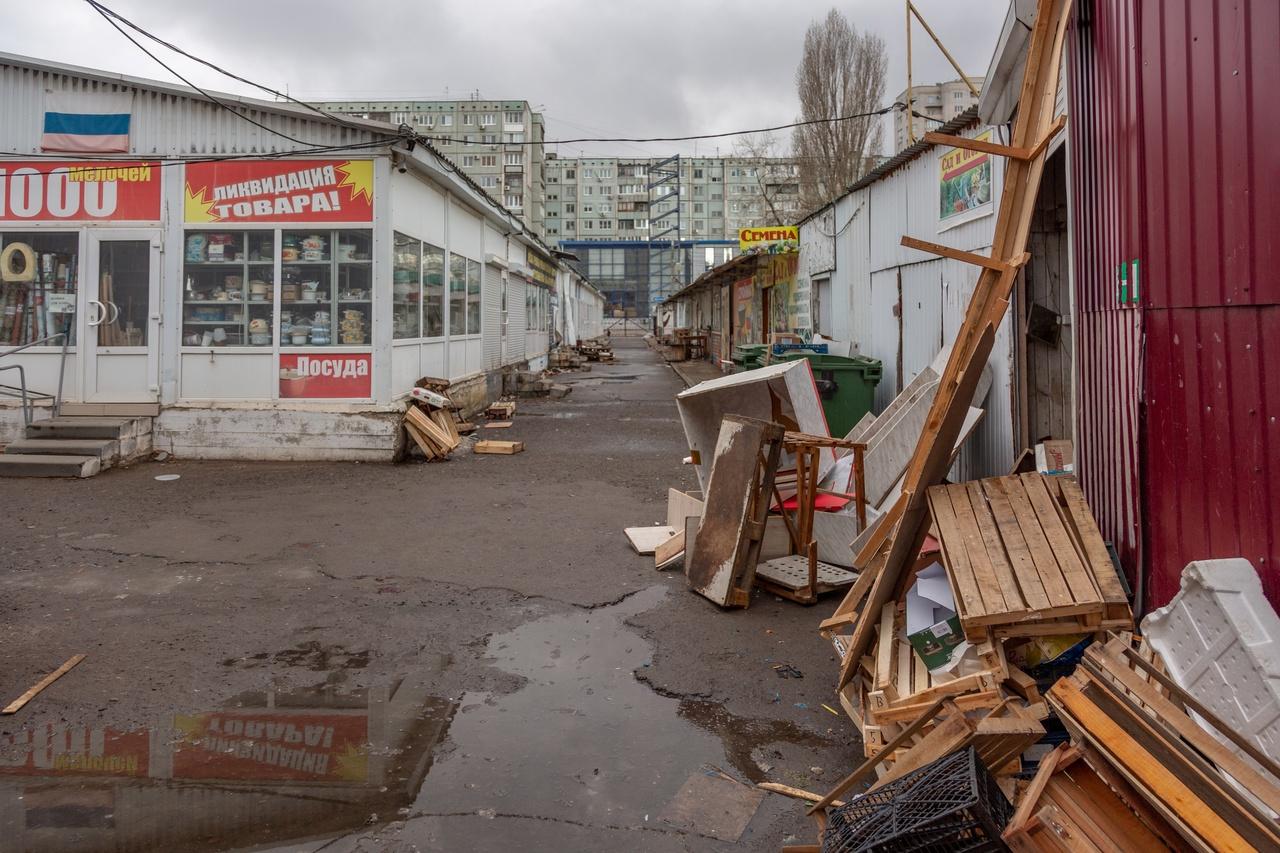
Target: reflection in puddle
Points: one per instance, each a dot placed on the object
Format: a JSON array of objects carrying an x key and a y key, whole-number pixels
[{"x": 274, "y": 767}]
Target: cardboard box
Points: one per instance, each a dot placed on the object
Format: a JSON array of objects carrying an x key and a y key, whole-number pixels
[
  {"x": 1055, "y": 457},
  {"x": 933, "y": 628}
]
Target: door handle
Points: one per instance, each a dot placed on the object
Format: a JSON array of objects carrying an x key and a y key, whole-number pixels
[
  {"x": 101, "y": 313},
  {"x": 115, "y": 313}
]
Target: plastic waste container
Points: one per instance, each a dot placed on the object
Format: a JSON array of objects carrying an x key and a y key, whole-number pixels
[
  {"x": 749, "y": 356},
  {"x": 847, "y": 387}
]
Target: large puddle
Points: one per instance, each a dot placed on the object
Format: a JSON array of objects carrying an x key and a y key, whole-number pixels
[{"x": 582, "y": 742}]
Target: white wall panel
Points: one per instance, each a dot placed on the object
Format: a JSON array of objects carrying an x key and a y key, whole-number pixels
[
  {"x": 466, "y": 233},
  {"x": 405, "y": 368},
  {"x": 418, "y": 209}
]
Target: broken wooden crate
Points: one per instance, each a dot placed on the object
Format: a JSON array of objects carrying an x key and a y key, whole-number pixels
[
  {"x": 435, "y": 433},
  {"x": 1025, "y": 558},
  {"x": 501, "y": 411},
  {"x": 1186, "y": 769},
  {"x": 498, "y": 448}
]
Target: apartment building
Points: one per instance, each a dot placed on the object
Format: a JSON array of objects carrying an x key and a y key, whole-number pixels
[
  {"x": 940, "y": 102},
  {"x": 607, "y": 210},
  {"x": 498, "y": 144}
]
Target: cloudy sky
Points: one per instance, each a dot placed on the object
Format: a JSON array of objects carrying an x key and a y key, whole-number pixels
[{"x": 595, "y": 68}]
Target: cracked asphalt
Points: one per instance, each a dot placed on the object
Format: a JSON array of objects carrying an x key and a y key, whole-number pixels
[{"x": 504, "y": 667}]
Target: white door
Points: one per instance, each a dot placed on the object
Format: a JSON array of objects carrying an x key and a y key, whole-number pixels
[{"x": 122, "y": 317}]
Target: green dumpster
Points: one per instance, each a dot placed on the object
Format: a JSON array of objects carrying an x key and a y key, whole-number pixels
[{"x": 847, "y": 387}]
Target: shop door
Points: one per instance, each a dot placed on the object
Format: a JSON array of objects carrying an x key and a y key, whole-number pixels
[{"x": 122, "y": 317}]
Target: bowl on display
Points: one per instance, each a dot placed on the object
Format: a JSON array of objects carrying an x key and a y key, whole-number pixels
[{"x": 260, "y": 339}]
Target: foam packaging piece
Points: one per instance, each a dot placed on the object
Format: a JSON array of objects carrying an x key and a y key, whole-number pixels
[{"x": 1220, "y": 641}]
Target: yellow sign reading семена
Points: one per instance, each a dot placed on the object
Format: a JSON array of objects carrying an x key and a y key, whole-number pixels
[{"x": 772, "y": 238}]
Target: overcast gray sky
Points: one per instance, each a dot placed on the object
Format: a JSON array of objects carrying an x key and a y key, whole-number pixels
[{"x": 595, "y": 68}]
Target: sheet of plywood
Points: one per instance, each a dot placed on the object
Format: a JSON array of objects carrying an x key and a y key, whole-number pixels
[
  {"x": 833, "y": 532},
  {"x": 721, "y": 561},
  {"x": 783, "y": 393},
  {"x": 645, "y": 540},
  {"x": 681, "y": 505}
]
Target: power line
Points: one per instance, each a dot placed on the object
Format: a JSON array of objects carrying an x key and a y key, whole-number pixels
[
  {"x": 170, "y": 69},
  {"x": 109, "y": 14},
  {"x": 166, "y": 160}
]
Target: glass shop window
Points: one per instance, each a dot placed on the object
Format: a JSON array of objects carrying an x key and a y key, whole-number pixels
[{"x": 37, "y": 287}]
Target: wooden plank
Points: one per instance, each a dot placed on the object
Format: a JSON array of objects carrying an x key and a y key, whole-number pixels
[
  {"x": 1031, "y": 796},
  {"x": 866, "y": 768},
  {"x": 888, "y": 644},
  {"x": 445, "y": 421},
  {"x": 989, "y": 583},
  {"x": 976, "y": 338},
  {"x": 1107, "y": 665},
  {"x": 430, "y": 428},
  {"x": 1185, "y": 764},
  {"x": 954, "y": 141},
  {"x": 425, "y": 444},
  {"x": 964, "y": 701},
  {"x": 1079, "y": 580},
  {"x": 669, "y": 550},
  {"x": 645, "y": 540},
  {"x": 1087, "y": 789},
  {"x": 969, "y": 601},
  {"x": 955, "y": 254},
  {"x": 1020, "y": 561},
  {"x": 1095, "y": 550},
  {"x": 499, "y": 448},
  {"x": 1146, "y": 771},
  {"x": 16, "y": 705},
  {"x": 681, "y": 505},
  {"x": 1046, "y": 565},
  {"x": 1012, "y": 591},
  {"x": 945, "y": 738},
  {"x": 499, "y": 424}
]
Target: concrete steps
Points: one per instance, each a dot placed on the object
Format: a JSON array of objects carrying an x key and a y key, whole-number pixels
[
  {"x": 76, "y": 446},
  {"x": 48, "y": 465}
]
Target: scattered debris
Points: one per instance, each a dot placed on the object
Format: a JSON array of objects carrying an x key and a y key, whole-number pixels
[
  {"x": 497, "y": 425},
  {"x": 646, "y": 540},
  {"x": 431, "y": 419},
  {"x": 168, "y": 478},
  {"x": 16, "y": 705},
  {"x": 501, "y": 411},
  {"x": 786, "y": 670}
]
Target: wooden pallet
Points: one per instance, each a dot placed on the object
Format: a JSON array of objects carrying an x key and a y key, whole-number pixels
[
  {"x": 1024, "y": 553},
  {"x": 791, "y": 573}
]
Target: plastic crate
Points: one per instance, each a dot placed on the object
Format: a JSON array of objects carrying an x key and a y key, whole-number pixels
[{"x": 948, "y": 806}]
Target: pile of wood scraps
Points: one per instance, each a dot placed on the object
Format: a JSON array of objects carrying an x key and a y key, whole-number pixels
[{"x": 431, "y": 419}]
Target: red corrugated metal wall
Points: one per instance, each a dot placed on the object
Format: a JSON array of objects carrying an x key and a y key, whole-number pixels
[
  {"x": 1210, "y": 95},
  {"x": 1104, "y": 176},
  {"x": 1175, "y": 153}
]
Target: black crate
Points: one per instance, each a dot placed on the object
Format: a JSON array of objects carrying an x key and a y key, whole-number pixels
[{"x": 950, "y": 805}]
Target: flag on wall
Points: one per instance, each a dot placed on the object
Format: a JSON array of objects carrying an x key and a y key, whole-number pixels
[{"x": 87, "y": 122}]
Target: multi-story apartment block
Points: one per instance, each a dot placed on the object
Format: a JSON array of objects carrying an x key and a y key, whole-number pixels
[
  {"x": 498, "y": 144},
  {"x": 941, "y": 102},
  {"x": 620, "y": 215}
]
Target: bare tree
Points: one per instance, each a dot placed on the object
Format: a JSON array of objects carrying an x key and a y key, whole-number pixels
[
  {"x": 773, "y": 183},
  {"x": 842, "y": 73}
]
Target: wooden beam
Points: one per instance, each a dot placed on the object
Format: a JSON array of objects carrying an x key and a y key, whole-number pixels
[
  {"x": 955, "y": 254},
  {"x": 1054, "y": 130},
  {"x": 976, "y": 338},
  {"x": 16, "y": 705},
  {"x": 982, "y": 145},
  {"x": 911, "y": 7}
]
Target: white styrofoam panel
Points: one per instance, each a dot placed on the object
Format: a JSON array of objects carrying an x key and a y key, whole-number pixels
[{"x": 1220, "y": 641}]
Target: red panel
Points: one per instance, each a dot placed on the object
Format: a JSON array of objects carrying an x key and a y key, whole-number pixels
[
  {"x": 1211, "y": 117},
  {"x": 1212, "y": 445},
  {"x": 1102, "y": 146}
]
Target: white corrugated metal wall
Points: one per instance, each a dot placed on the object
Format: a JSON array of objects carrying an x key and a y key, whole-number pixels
[
  {"x": 163, "y": 124},
  {"x": 905, "y": 328}
]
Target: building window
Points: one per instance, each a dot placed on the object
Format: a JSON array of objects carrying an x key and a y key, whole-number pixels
[
  {"x": 587, "y": 190},
  {"x": 570, "y": 207},
  {"x": 488, "y": 181},
  {"x": 513, "y": 158},
  {"x": 45, "y": 305},
  {"x": 514, "y": 201},
  {"x": 406, "y": 288},
  {"x": 570, "y": 174},
  {"x": 697, "y": 173},
  {"x": 606, "y": 224},
  {"x": 487, "y": 120},
  {"x": 489, "y": 160},
  {"x": 432, "y": 291},
  {"x": 468, "y": 161},
  {"x": 468, "y": 120},
  {"x": 513, "y": 138},
  {"x": 513, "y": 117}
]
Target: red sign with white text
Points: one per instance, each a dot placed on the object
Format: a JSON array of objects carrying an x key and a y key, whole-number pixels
[
  {"x": 279, "y": 191},
  {"x": 55, "y": 750},
  {"x": 272, "y": 746},
  {"x": 335, "y": 376},
  {"x": 62, "y": 191}
]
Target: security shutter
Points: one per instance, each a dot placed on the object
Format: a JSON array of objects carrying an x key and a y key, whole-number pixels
[
  {"x": 491, "y": 323},
  {"x": 516, "y": 310}
]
